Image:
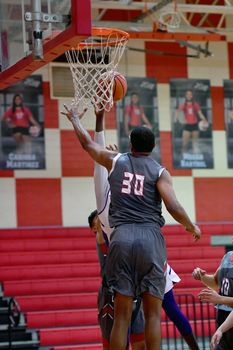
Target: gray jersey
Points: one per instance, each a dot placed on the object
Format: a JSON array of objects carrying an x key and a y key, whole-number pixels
[
  {"x": 134, "y": 196},
  {"x": 226, "y": 279}
]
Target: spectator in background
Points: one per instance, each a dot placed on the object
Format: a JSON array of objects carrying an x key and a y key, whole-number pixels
[
  {"x": 192, "y": 115},
  {"x": 19, "y": 119},
  {"x": 134, "y": 114}
]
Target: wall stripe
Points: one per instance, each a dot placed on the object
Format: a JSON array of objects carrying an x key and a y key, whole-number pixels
[
  {"x": 214, "y": 199},
  {"x": 217, "y": 95},
  {"x": 38, "y": 202},
  {"x": 163, "y": 68}
]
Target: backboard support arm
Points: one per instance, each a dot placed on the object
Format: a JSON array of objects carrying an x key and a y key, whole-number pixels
[{"x": 37, "y": 17}]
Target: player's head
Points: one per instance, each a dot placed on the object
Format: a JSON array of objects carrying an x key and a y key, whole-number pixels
[
  {"x": 93, "y": 221},
  {"x": 142, "y": 139},
  {"x": 189, "y": 95},
  {"x": 134, "y": 98},
  {"x": 17, "y": 101}
]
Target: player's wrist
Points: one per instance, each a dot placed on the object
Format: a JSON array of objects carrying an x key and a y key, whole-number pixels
[
  {"x": 190, "y": 228},
  {"x": 74, "y": 119}
]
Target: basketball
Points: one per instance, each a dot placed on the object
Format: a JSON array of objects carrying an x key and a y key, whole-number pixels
[
  {"x": 203, "y": 125},
  {"x": 119, "y": 87},
  {"x": 34, "y": 131}
]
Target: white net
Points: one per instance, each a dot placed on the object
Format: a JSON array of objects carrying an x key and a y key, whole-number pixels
[
  {"x": 169, "y": 20},
  {"x": 93, "y": 64}
]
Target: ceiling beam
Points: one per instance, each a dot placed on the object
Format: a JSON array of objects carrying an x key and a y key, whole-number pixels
[
  {"x": 136, "y": 5},
  {"x": 175, "y": 36}
]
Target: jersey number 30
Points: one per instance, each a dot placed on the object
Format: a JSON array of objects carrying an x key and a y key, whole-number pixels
[{"x": 133, "y": 183}]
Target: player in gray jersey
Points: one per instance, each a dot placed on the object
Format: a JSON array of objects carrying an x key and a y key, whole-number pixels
[
  {"x": 136, "y": 261},
  {"x": 222, "y": 279},
  {"x": 99, "y": 224}
]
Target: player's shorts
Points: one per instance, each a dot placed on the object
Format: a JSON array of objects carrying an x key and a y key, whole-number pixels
[
  {"x": 106, "y": 316},
  {"x": 136, "y": 261},
  {"x": 191, "y": 127},
  {"x": 227, "y": 337},
  {"x": 21, "y": 130}
]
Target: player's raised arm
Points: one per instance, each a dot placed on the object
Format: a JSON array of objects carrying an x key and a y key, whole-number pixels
[{"x": 97, "y": 153}]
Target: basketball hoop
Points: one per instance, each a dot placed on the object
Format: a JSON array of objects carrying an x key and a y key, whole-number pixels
[
  {"x": 93, "y": 64},
  {"x": 169, "y": 21}
]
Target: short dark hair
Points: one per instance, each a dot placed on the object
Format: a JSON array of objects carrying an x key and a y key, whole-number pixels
[
  {"x": 142, "y": 139},
  {"x": 91, "y": 217}
]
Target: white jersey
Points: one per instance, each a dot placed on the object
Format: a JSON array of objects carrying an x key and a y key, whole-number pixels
[
  {"x": 171, "y": 278},
  {"x": 103, "y": 197},
  {"x": 102, "y": 189}
]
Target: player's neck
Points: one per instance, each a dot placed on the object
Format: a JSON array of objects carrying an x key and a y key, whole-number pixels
[{"x": 134, "y": 153}]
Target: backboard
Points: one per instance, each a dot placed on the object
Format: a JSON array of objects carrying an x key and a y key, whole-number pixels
[{"x": 49, "y": 27}]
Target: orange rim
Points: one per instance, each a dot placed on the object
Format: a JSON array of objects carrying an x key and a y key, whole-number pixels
[{"x": 117, "y": 36}]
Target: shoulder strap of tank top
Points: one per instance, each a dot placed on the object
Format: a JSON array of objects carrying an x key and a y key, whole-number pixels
[{"x": 132, "y": 169}]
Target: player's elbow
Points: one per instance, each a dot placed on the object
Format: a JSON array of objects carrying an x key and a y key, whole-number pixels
[{"x": 86, "y": 146}]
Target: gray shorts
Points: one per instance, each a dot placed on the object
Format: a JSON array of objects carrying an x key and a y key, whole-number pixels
[
  {"x": 136, "y": 261},
  {"x": 105, "y": 314}
]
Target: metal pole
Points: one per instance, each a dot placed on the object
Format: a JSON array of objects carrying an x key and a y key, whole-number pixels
[{"x": 36, "y": 30}]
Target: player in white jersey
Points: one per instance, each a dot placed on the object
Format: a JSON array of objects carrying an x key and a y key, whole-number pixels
[{"x": 103, "y": 198}]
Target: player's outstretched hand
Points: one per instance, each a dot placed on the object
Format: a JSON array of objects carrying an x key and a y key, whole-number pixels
[
  {"x": 112, "y": 148},
  {"x": 215, "y": 339},
  {"x": 210, "y": 296},
  {"x": 70, "y": 113},
  {"x": 198, "y": 273}
]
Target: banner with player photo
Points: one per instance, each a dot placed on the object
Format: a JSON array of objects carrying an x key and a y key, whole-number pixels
[
  {"x": 191, "y": 118},
  {"x": 22, "y": 143},
  {"x": 228, "y": 110},
  {"x": 139, "y": 107}
]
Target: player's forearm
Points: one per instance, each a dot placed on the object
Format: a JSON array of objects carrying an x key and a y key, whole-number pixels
[
  {"x": 201, "y": 115},
  {"x": 180, "y": 215},
  {"x": 209, "y": 281},
  {"x": 99, "y": 124},
  {"x": 227, "y": 324},
  {"x": 33, "y": 121},
  {"x": 146, "y": 120},
  {"x": 82, "y": 134},
  {"x": 225, "y": 300},
  {"x": 100, "y": 176}
]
